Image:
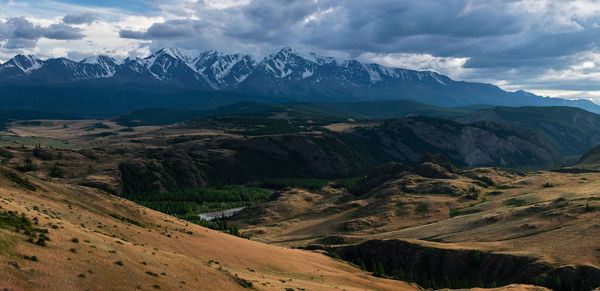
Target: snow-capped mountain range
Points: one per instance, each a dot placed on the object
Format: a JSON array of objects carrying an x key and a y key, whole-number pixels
[
  {"x": 209, "y": 69},
  {"x": 287, "y": 74}
]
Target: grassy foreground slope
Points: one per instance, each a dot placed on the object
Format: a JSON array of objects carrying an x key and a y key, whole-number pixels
[{"x": 98, "y": 241}]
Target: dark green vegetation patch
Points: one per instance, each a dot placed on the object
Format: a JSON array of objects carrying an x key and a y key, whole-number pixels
[{"x": 12, "y": 221}]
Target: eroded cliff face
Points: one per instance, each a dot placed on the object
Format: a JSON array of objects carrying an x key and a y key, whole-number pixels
[
  {"x": 571, "y": 131},
  {"x": 476, "y": 144},
  {"x": 238, "y": 160},
  {"x": 444, "y": 267}
]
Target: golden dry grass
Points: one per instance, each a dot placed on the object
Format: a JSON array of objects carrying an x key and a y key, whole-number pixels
[
  {"x": 202, "y": 260},
  {"x": 557, "y": 224}
]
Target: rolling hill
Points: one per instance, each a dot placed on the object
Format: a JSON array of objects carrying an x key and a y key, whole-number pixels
[
  {"x": 444, "y": 227},
  {"x": 58, "y": 236}
]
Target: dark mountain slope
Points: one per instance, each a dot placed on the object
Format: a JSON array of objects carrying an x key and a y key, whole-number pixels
[
  {"x": 104, "y": 99},
  {"x": 572, "y": 131},
  {"x": 323, "y": 111}
]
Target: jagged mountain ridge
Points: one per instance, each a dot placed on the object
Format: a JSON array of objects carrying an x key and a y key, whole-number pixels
[
  {"x": 287, "y": 74},
  {"x": 212, "y": 69}
]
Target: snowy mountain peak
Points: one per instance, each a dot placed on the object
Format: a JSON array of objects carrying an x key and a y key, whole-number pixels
[
  {"x": 215, "y": 70},
  {"x": 25, "y": 63},
  {"x": 101, "y": 59},
  {"x": 288, "y": 53},
  {"x": 26, "y": 58},
  {"x": 284, "y": 54},
  {"x": 187, "y": 56}
]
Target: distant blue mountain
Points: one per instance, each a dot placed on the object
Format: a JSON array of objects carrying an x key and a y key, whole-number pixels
[{"x": 288, "y": 74}]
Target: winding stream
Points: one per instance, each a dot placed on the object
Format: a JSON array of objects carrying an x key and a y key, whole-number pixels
[{"x": 216, "y": 214}]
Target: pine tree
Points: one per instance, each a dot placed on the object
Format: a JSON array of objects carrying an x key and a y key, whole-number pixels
[{"x": 379, "y": 271}]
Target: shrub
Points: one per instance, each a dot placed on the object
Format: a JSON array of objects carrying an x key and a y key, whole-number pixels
[
  {"x": 485, "y": 179},
  {"x": 119, "y": 263},
  {"x": 421, "y": 208},
  {"x": 514, "y": 202},
  {"x": 41, "y": 242},
  {"x": 333, "y": 255},
  {"x": 55, "y": 171},
  {"x": 27, "y": 166},
  {"x": 378, "y": 270},
  {"x": 75, "y": 240}
]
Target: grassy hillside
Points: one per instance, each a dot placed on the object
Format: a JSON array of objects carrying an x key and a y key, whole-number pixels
[
  {"x": 447, "y": 228},
  {"x": 62, "y": 237},
  {"x": 590, "y": 160}
]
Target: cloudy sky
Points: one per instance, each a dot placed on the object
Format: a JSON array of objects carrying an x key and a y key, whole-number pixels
[{"x": 544, "y": 46}]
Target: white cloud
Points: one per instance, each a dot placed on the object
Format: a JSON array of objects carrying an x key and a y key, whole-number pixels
[
  {"x": 100, "y": 36},
  {"x": 224, "y": 4},
  {"x": 453, "y": 67},
  {"x": 593, "y": 96}
]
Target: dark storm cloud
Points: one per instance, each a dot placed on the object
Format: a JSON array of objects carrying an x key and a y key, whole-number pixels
[
  {"x": 85, "y": 18},
  {"x": 19, "y": 32},
  {"x": 454, "y": 28},
  {"x": 363, "y": 24},
  {"x": 167, "y": 30},
  {"x": 501, "y": 39},
  {"x": 62, "y": 31}
]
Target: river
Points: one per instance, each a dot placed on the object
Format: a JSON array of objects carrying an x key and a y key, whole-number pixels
[
  {"x": 226, "y": 212},
  {"x": 216, "y": 214}
]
